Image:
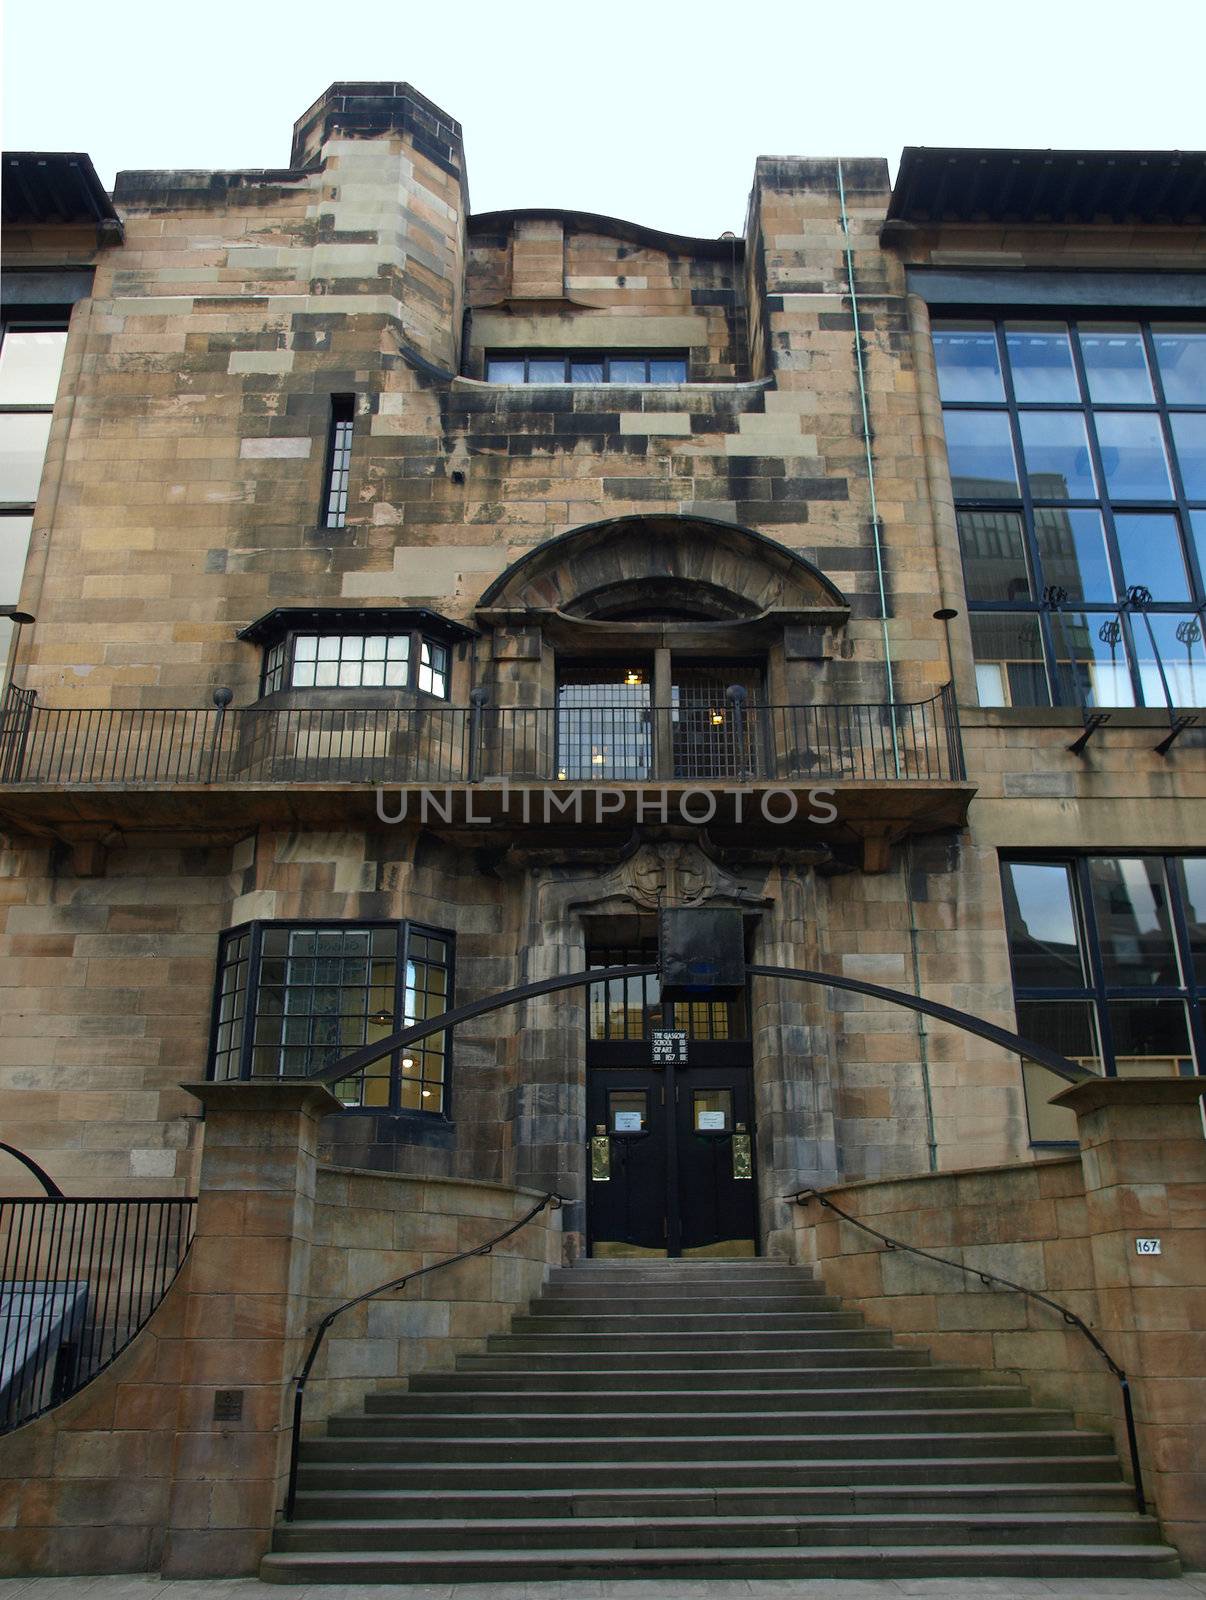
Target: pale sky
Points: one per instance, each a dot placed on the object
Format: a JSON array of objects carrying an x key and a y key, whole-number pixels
[{"x": 650, "y": 110}]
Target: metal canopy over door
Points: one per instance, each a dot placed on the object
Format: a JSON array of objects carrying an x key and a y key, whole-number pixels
[{"x": 670, "y": 1143}]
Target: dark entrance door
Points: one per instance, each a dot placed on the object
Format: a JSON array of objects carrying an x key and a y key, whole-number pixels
[{"x": 670, "y": 1147}]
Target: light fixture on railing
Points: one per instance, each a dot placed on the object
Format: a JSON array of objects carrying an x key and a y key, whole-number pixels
[
  {"x": 717, "y": 718},
  {"x": 633, "y": 677}
]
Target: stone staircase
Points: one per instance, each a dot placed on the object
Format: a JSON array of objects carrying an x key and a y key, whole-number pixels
[{"x": 706, "y": 1419}]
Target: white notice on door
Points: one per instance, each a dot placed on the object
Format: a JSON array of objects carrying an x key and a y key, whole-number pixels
[
  {"x": 628, "y": 1122},
  {"x": 710, "y": 1121}
]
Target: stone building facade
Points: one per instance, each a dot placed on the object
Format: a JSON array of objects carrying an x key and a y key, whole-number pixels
[{"x": 354, "y": 500}]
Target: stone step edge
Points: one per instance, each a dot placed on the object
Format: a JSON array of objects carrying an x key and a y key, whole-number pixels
[{"x": 483, "y": 1525}]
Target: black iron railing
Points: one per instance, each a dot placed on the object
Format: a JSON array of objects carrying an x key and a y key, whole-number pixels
[
  {"x": 320, "y": 1331},
  {"x": 78, "y": 1279},
  {"x": 988, "y": 1279},
  {"x": 737, "y": 740}
]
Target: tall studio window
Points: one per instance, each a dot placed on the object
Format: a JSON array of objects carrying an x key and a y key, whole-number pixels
[
  {"x": 1078, "y": 460},
  {"x": 31, "y": 357},
  {"x": 1109, "y": 968},
  {"x": 339, "y": 461},
  {"x": 551, "y": 366},
  {"x": 292, "y": 997},
  {"x": 356, "y": 661}
]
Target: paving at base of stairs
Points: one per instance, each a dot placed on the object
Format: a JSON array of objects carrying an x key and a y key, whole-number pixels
[
  {"x": 703, "y": 1421},
  {"x": 1189, "y": 1586}
]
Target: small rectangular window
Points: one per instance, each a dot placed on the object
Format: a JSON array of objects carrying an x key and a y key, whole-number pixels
[
  {"x": 433, "y": 668},
  {"x": 556, "y": 366},
  {"x": 339, "y": 461}
]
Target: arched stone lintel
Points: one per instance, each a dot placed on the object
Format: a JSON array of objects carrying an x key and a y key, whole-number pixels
[{"x": 731, "y": 569}]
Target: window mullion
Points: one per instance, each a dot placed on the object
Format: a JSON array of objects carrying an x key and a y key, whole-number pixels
[
  {"x": 251, "y": 1001},
  {"x": 1088, "y": 915},
  {"x": 395, "y": 1060},
  {"x": 1029, "y": 532}
]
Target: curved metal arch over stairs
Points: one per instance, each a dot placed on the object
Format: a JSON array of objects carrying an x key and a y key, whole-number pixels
[{"x": 1017, "y": 1043}]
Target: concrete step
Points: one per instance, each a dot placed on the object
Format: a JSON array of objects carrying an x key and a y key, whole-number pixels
[
  {"x": 554, "y": 1379},
  {"x": 666, "y": 1532},
  {"x": 553, "y": 1320},
  {"x": 484, "y": 1565},
  {"x": 877, "y": 1468},
  {"x": 931, "y": 1438},
  {"x": 663, "y": 1305},
  {"x": 438, "y": 1428},
  {"x": 578, "y": 1288},
  {"x": 694, "y": 1361},
  {"x": 734, "y": 1340},
  {"x": 604, "y": 1403},
  {"x": 956, "y": 1499}
]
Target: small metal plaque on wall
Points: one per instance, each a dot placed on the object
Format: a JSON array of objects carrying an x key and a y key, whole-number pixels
[
  {"x": 228, "y": 1405},
  {"x": 1147, "y": 1247},
  {"x": 669, "y": 1045}
]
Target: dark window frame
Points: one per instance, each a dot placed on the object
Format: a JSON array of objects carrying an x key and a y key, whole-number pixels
[
  {"x": 279, "y": 659},
  {"x": 1096, "y": 990},
  {"x": 28, "y": 321},
  {"x": 404, "y": 928},
  {"x": 1042, "y": 604},
  {"x": 603, "y": 358},
  {"x": 337, "y": 468}
]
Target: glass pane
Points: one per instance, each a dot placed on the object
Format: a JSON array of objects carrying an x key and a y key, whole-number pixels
[
  {"x": 1189, "y": 436},
  {"x": 966, "y": 357},
  {"x": 550, "y": 370},
  {"x": 628, "y": 1110},
  {"x": 669, "y": 371},
  {"x": 1040, "y": 359},
  {"x": 23, "y": 437},
  {"x": 1191, "y": 875},
  {"x": 1181, "y": 356},
  {"x": 1073, "y": 551},
  {"x": 1150, "y": 545},
  {"x": 1040, "y": 921},
  {"x": 1070, "y": 1027},
  {"x": 1115, "y": 364},
  {"x": 328, "y": 647},
  {"x": 14, "y": 545},
  {"x": 712, "y": 1111},
  {"x": 1178, "y": 639},
  {"x": 30, "y": 360},
  {"x": 1090, "y": 651},
  {"x": 626, "y": 371},
  {"x": 994, "y": 559},
  {"x": 1151, "y": 1038},
  {"x": 1056, "y": 449},
  {"x": 305, "y": 647},
  {"x": 980, "y": 449},
  {"x": 504, "y": 371},
  {"x": 1010, "y": 670},
  {"x": 1134, "y": 929},
  {"x": 1133, "y": 456},
  {"x": 586, "y": 372}
]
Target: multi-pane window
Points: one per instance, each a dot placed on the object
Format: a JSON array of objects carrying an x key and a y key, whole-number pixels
[
  {"x": 356, "y": 661},
  {"x": 292, "y": 997},
  {"x": 1109, "y": 968},
  {"x": 608, "y": 726},
  {"x": 339, "y": 461},
  {"x": 625, "y": 1009},
  {"x": 552, "y": 366},
  {"x": 1078, "y": 460},
  {"x": 605, "y": 723},
  {"x": 31, "y": 356}
]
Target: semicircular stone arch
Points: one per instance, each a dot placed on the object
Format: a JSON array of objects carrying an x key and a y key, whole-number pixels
[{"x": 693, "y": 567}]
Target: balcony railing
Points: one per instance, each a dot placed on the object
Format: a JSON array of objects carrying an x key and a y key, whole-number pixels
[{"x": 739, "y": 742}]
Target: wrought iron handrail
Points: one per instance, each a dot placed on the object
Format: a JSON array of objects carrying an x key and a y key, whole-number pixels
[
  {"x": 737, "y": 740},
  {"x": 320, "y": 1332},
  {"x": 803, "y": 1196},
  {"x": 80, "y": 1277}
]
